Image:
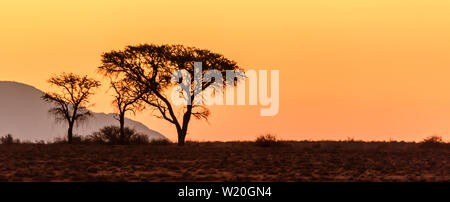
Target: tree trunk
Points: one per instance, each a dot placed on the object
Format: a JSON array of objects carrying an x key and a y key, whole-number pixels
[
  {"x": 182, "y": 131},
  {"x": 181, "y": 136},
  {"x": 69, "y": 133},
  {"x": 122, "y": 129}
]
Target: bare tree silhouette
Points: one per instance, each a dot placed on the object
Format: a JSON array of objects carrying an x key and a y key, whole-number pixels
[
  {"x": 127, "y": 97},
  {"x": 72, "y": 99},
  {"x": 151, "y": 67}
]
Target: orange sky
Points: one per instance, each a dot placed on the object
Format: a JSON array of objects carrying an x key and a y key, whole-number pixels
[{"x": 372, "y": 70}]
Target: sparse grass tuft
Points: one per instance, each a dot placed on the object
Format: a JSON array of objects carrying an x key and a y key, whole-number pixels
[
  {"x": 160, "y": 142},
  {"x": 76, "y": 139},
  {"x": 267, "y": 140}
]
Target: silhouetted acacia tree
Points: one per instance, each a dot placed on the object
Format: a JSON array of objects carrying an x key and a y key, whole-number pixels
[
  {"x": 127, "y": 97},
  {"x": 72, "y": 99},
  {"x": 151, "y": 67}
]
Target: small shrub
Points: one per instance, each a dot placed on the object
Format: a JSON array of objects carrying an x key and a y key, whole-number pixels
[
  {"x": 111, "y": 135},
  {"x": 432, "y": 142},
  {"x": 8, "y": 139},
  {"x": 353, "y": 140},
  {"x": 266, "y": 140},
  {"x": 107, "y": 135},
  {"x": 138, "y": 139}
]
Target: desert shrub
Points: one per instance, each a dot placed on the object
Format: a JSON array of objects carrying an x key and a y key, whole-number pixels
[
  {"x": 266, "y": 140},
  {"x": 432, "y": 142},
  {"x": 8, "y": 139},
  {"x": 160, "y": 142},
  {"x": 138, "y": 138},
  {"x": 107, "y": 135},
  {"x": 111, "y": 135}
]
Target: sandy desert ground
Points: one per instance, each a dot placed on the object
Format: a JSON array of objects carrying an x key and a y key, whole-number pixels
[{"x": 230, "y": 161}]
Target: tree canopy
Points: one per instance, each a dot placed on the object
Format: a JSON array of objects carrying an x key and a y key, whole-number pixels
[{"x": 152, "y": 67}]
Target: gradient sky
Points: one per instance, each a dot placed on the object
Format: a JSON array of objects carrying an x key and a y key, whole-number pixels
[{"x": 371, "y": 70}]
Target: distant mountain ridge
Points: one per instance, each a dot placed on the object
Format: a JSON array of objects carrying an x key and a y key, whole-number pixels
[{"x": 24, "y": 115}]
